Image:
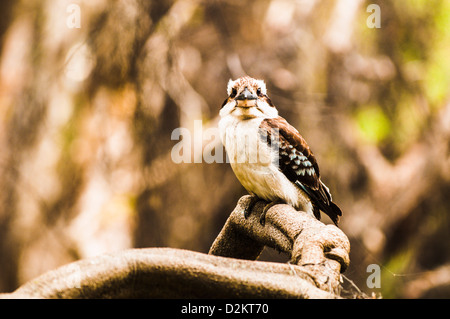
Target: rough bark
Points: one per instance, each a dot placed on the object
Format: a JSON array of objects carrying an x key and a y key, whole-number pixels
[
  {"x": 318, "y": 254},
  {"x": 322, "y": 250}
]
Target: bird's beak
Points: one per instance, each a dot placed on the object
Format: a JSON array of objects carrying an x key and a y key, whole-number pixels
[{"x": 246, "y": 99}]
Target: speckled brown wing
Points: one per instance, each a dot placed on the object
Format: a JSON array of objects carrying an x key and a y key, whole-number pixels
[{"x": 298, "y": 164}]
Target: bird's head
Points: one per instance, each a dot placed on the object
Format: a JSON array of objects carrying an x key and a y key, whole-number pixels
[{"x": 247, "y": 98}]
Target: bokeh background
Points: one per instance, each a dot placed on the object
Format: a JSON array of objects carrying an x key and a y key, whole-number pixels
[{"x": 86, "y": 116}]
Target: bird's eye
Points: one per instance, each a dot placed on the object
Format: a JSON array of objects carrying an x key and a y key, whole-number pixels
[
  {"x": 233, "y": 93},
  {"x": 258, "y": 91}
]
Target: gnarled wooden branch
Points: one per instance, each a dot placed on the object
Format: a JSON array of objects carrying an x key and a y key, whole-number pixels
[
  {"x": 318, "y": 252},
  {"x": 171, "y": 273},
  {"x": 322, "y": 250}
]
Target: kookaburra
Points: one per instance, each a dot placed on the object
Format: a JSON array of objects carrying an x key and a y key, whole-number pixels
[{"x": 269, "y": 156}]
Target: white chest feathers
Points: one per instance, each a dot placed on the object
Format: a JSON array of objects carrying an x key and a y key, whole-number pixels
[
  {"x": 255, "y": 163},
  {"x": 243, "y": 144}
]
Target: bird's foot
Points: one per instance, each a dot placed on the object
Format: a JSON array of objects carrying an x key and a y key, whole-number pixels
[
  {"x": 250, "y": 206},
  {"x": 262, "y": 218}
]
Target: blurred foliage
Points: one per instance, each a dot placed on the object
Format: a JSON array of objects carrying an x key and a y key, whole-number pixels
[
  {"x": 373, "y": 124},
  {"x": 86, "y": 116}
]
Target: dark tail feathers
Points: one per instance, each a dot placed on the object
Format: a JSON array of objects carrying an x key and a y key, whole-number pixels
[{"x": 325, "y": 205}]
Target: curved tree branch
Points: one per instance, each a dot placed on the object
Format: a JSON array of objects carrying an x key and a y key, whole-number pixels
[
  {"x": 318, "y": 253},
  {"x": 170, "y": 273},
  {"x": 322, "y": 250}
]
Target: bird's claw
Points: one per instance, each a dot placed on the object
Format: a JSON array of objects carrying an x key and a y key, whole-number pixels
[
  {"x": 250, "y": 206},
  {"x": 253, "y": 201},
  {"x": 262, "y": 218}
]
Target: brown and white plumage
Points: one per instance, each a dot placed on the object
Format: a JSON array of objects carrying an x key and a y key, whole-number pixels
[{"x": 269, "y": 156}]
